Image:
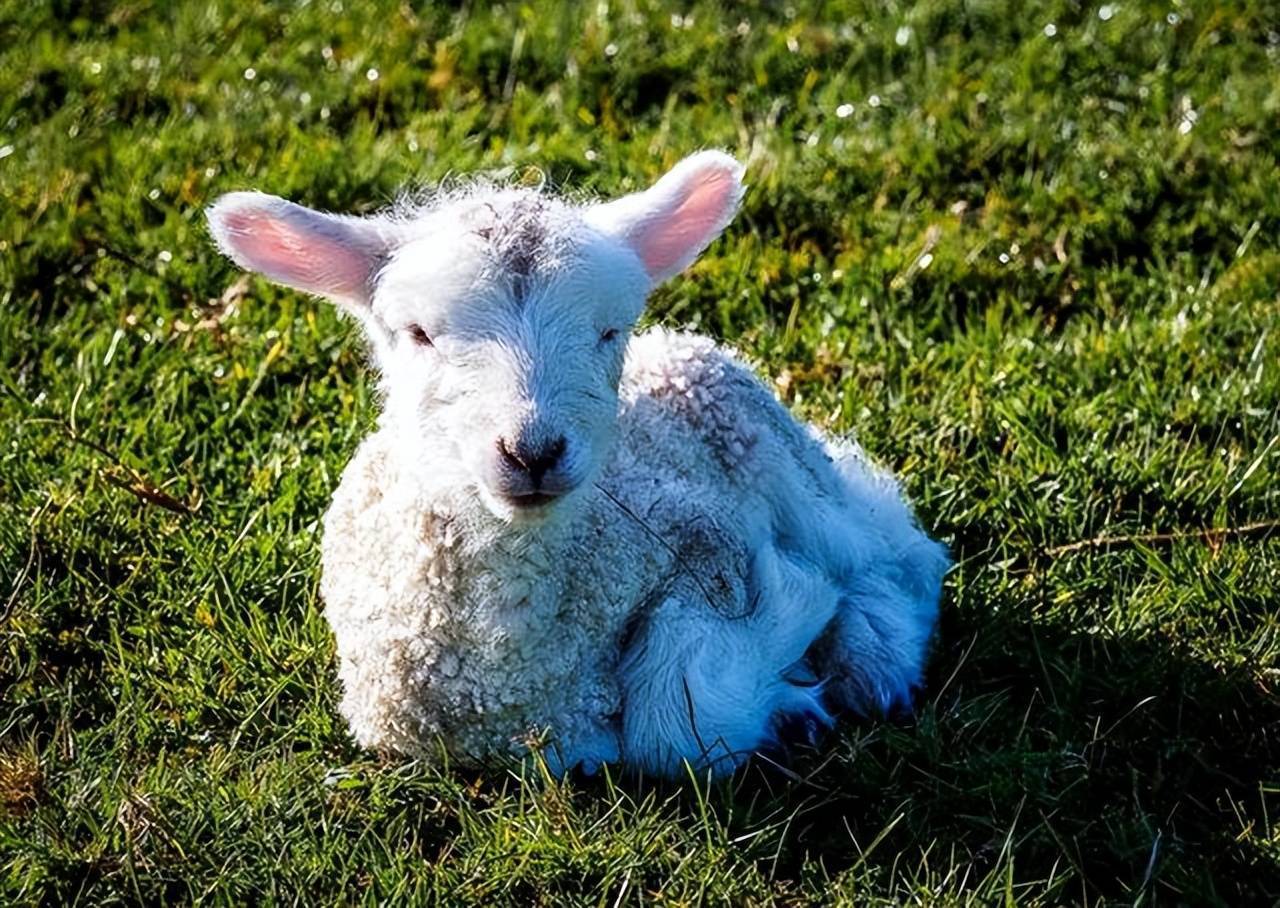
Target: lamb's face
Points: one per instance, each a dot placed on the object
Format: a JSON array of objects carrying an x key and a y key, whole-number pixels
[
  {"x": 503, "y": 326},
  {"x": 498, "y": 318}
]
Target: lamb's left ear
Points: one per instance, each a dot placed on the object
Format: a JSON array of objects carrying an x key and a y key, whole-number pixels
[
  {"x": 326, "y": 254},
  {"x": 672, "y": 221}
]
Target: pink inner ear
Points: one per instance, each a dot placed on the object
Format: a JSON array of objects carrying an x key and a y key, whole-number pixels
[
  {"x": 671, "y": 239},
  {"x": 303, "y": 255}
]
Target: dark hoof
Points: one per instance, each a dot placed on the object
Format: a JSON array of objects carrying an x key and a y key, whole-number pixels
[{"x": 803, "y": 729}]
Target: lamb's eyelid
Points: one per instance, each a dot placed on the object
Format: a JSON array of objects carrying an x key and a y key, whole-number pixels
[{"x": 430, "y": 330}]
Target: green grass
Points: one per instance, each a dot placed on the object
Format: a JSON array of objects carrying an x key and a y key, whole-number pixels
[{"x": 1036, "y": 273}]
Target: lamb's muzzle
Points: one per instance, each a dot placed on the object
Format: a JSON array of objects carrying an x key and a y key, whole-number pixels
[
  {"x": 623, "y": 544},
  {"x": 530, "y": 477}
]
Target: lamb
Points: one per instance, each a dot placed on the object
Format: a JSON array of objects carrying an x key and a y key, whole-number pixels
[{"x": 611, "y": 547}]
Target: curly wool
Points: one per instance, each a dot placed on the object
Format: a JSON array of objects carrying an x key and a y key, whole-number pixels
[
  {"x": 623, "y": 552},
  {"x": 727, "y": 572}
]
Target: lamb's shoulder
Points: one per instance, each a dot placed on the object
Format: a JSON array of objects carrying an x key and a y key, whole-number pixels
[
  {"x": 387, "y": 569},
  {"x": 677, "y": 384},
  {"x": 384, "y": 540},
  {"x": 680, "y": 387}
]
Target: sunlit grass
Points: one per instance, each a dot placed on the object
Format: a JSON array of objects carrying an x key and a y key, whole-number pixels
[{"x": 1028, "y": 255}]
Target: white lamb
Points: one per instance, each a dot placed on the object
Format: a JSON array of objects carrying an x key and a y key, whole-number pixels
[{"x": 620, "y": 547}]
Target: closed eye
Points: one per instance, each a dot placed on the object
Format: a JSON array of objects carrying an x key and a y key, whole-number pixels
[{"x": 418, "y": 336}]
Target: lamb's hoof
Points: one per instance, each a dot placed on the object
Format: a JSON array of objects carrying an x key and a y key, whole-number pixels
[
  {"x": 799, "y": 729},
  {"x": 904, "y": 709}
]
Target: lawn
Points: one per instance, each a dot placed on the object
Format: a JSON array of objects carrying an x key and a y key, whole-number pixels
[{"x": 1027, "y": 253}]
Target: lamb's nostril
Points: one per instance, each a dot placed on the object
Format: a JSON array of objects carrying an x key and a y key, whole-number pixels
[
  {"x": 535, "y": 459},
  {"x": 540, "y": 459},
  {"x": 545, "y": 459},
  {"x": 510, "y": 457}
]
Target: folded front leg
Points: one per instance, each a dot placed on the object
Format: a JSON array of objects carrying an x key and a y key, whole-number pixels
[{"x": 711, "y": 688}]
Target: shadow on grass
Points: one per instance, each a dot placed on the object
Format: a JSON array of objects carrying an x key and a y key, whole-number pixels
[{"x": 1084, "y": 768}]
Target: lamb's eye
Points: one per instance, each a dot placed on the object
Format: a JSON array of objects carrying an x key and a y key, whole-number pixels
[
  {"x": 608, "y": 334},
  {"x": 418, "y": 336}
]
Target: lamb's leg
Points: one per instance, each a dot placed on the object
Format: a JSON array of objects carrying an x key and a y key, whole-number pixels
[
  {"x": 586, "y": 748},
  {"x": 871, "y": 658},
  {"x": 710, "y": 689}
]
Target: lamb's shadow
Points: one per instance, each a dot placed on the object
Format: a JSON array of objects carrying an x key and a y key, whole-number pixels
[{"x": 1120, "y": 768}]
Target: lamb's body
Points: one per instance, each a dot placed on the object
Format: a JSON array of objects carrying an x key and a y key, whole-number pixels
[
  {"x": 681, "y": 606},
  {"x": 632, "y": 549}
]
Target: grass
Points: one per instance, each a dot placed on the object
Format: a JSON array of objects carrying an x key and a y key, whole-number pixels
[{"x": 1027, "y": 252}]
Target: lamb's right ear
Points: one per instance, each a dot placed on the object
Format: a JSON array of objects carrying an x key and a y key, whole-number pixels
[{"x": 326, "y": 254}]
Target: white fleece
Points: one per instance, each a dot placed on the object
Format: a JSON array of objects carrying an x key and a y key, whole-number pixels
[
  {"x": 662, "y": 614},
  {"x": 626, "y": 551}
]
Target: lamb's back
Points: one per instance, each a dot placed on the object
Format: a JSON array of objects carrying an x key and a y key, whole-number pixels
[{"x": 694, "y": 413}]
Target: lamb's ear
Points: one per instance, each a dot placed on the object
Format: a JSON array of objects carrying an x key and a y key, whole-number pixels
[
  {"x": 669, "y": 223},
  {"x": 327, "y": 254}
]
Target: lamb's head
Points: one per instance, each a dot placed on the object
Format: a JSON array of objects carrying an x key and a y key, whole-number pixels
[{"x": 498, "y": 317}]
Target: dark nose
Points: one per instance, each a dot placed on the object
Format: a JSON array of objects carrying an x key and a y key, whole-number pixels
[{"x": 534, "y": 459}]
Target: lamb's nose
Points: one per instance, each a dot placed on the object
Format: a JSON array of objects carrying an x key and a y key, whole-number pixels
[{"x": 534, "y": 459}]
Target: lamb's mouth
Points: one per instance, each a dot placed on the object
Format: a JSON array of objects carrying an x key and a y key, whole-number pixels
[{"x": 532, "y": 500}]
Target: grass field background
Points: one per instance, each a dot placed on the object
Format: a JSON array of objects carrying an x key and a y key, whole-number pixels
[{"x": 1026, "y": 252}]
